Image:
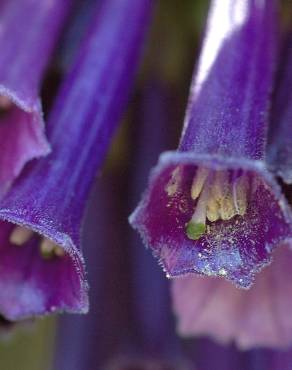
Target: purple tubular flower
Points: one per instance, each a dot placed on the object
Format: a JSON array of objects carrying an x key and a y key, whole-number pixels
[
  {"x": 50, "y": 196},
  {"x": 212, "y": 207},
  {"x": 280, "y": 145},
  {"x": 26, "y": 46},
  {"x": 254, "y": 318}
]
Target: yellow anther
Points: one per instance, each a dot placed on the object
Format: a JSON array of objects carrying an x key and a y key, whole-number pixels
[
  {"x": 220, "y": 185},
  {"x": 174, "y": 183},
  {"x": 59, "y": 251},
  {"x": 227, "y": 208},
  {"x": 222, "y": 192},
  {"x": 20, "y": 235},
  {"x": 198, "y": 182},
  {"x": 212, "y": 210},
  {"x": 49, "y": 249},
  {"x": 218, "y": 198}
]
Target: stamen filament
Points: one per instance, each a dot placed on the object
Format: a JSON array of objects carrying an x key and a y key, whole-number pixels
[
  {"x": 218, "y": 198},
  {"x": 212, "y": 210},
  {"x": 240, "y": 188},
  {"x": 222, "y": 192},
  {"x": 174, "y": 183},
  {"x": 227, "y": 208},
  {"x": 198, "y": 182}
]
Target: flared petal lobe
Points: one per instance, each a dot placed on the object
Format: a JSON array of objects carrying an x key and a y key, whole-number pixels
[
  {"x": 259, "y": 317},
  {"x": 49, "y": 198},
  {"x": 232, "y": 248},
  {"x": 211, "y": 207},
  {"x": 26, "y": 47},
  {"x": 26, "y": 275}
]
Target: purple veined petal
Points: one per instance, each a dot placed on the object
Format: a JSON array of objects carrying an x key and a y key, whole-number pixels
[
  {"x": 280, "y": 138},
  {"x": 212, "y": 207},
  {"x": 258, "y": 317},
  {"x": 26, "y": 46},
  {"x": 49, "y": 197}
]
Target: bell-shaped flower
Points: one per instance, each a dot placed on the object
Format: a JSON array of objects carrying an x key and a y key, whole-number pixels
[
  {"x": 42, "y": 267},
  {"x": 212, "y": 207}
]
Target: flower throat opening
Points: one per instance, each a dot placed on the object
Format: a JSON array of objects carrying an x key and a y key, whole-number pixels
[
  {"x": 219, "y": 196},
  {"x": 20, "y": 235}
]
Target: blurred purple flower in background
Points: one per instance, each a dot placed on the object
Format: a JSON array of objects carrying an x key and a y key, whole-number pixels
[{"x": 253, "y": 318}]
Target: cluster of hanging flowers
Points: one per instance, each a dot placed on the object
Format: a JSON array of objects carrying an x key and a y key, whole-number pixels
[{"x": 214, "y": 212}]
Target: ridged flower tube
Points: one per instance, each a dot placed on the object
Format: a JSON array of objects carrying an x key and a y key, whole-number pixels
[
  {"x": 212, "y": 207},
  {"x": 43, "y": 268},
  {"x": 26, "y": 47}
]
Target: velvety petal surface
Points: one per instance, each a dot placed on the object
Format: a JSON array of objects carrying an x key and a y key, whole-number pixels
[
  {"x": 227, "y": 112},
  {"x": 50, "y": 196},
  {"x": 259, "y": 317},
  {"x": 26, "y": 48}
]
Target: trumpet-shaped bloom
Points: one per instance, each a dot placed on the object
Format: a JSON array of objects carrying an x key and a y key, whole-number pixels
[
  {"x": 43, "y": 269},
  {"x": 212, "y": 207},
  {"x": 260, "y": 316},
  {"x": 26, "y": 47}
]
